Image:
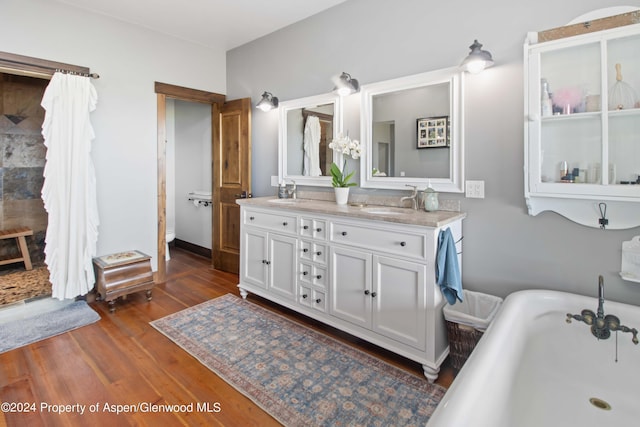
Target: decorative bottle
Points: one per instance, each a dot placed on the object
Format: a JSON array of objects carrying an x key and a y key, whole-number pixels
[
  {"x": 430, "y": 199},
  {"x": 545, "y": 99}
]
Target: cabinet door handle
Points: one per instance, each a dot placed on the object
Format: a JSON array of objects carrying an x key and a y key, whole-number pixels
[
  {"x": 264, "y": 261},
  {"x": 403, "y": 243},
  {"x": 366, "y": 292},
  {"x": 319, "y": 276},
  {"x": 318, "y": 230},
  {"x": 319, "y": 253},
  {"x": 344, "y": 233},
  {"x": 284, "y": 224},
  {"x": 305, "y": 250},
  {"x": 251, "y": 218},
  {"x": 318, "y": 301},
  {"x": 305, "y": 227},
  {"x": 373, "y": 294},
  {"x": 304, "y": 273},
  {"x": 304, "y": 296}
]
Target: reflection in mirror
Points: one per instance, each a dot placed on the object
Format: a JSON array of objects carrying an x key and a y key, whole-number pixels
[
  {"x": 411, "y": 128},
  {"x": 306, "y": 128}
]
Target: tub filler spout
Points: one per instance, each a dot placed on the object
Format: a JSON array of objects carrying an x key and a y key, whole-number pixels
[{"x": 602, "y": 325}]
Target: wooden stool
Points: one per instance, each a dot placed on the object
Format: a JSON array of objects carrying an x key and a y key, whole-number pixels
[
  {"x": 118, "y": 275},
  {"x": 19, "y": 234}
]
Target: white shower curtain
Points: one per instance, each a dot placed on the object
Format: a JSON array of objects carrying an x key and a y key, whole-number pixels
[
  {"x": 69, "y": 190},
  {"x": 311, "y": 141}
]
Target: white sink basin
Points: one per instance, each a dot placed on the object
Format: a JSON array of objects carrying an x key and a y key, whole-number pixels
[{"x": 383, "y": 210}]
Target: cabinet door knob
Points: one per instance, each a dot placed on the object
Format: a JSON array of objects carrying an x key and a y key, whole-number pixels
[
  {"x": 366, "y": 292},
  {"x": 304, "y": 273},
  {"x": 305, "y": 227},
  {"x": 284, "y": 224},
  {"x": 373, "y": 294},
  {"x": 344, "y": 233},
  {"x": 267, "y": 262},
  {"x": 305, "y": 250},
  {"x": 319, "y": 276},
  {"x": 251, "y": 218},
  {"x": 319, "y": 253},
  {"x": 318, "y": 301},
  {"x": 304, "y": 296},
  {"x": 318, "y": 230},
  {"x": 403, "y": 243}
]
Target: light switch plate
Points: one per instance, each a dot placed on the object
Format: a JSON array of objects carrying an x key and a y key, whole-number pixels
[{"x": 474, "y": 189}]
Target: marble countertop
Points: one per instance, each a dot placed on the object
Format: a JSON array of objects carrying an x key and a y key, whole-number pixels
[{"x": 371, "y": 212}]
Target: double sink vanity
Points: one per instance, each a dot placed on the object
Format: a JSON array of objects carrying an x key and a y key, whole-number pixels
[{"x": 366, "y": 270}]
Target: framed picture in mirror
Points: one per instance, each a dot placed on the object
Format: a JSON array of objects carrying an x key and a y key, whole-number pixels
[{"x": 433, "y": 132}]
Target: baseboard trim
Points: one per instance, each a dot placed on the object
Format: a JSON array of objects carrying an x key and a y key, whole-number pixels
[{"x": 198, "y": 250}]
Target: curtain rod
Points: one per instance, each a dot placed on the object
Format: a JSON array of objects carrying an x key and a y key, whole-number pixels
[
  {"x": 77, "y": 73},
  {"x": 29, "y": 66}
]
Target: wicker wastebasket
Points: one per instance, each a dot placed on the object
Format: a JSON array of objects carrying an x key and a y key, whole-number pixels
[{"x": 466, "y": 323}]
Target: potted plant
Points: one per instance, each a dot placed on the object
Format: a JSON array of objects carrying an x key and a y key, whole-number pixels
[{"x": 340, "y": 178}]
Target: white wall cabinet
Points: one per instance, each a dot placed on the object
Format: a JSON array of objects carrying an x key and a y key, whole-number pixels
[
  {"x": 372, "y": 279},
  {"x": 580, "y": 117}
]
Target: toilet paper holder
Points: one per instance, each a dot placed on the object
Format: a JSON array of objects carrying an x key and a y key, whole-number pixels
[{"x": 199, "y": 199}]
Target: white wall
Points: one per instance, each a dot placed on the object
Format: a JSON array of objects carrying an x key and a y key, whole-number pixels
[
  {"x": 129, "y": 60},
  {"x": 504, "y": 248},
  {"x": 192, "y": 171}
]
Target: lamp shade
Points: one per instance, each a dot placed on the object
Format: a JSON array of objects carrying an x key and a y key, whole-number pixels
[
  {"x": 477, "y": 60},
  {"x": 268, "y": 102}
]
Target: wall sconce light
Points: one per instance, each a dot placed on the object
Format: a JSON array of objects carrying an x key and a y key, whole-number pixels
[
  {"x": 477, "y": 60},
  {"x": 268, "y": 102},
  {"x": 345, "y": 85}
]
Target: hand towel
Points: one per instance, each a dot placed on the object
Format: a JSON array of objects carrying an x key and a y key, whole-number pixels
[{"x": 447, "y": 268}]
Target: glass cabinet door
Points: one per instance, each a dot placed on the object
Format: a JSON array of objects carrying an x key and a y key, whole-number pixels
[
  {"x": 623, "y": 81},
  {"x": 570, "y": 115}
]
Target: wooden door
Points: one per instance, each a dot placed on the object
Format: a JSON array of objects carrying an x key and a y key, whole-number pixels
[{"x": 231, "y": 179}]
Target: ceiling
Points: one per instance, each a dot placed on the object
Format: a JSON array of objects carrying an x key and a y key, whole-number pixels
[{"x": 218, "y": 24}]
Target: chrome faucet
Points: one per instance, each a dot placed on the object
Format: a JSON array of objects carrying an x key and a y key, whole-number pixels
[
  {"x": 413, "y": 197},
  {"x": 293, "y": 193},
  {"x": 601, "y": 325}
]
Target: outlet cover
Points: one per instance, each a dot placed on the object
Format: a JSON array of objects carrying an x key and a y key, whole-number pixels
[{"x": 474, "y": 189}]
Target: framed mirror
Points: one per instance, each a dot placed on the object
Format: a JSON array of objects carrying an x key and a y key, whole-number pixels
[
  {"x": 306, "y": 127},
  {"x": 412, "y": 131}
]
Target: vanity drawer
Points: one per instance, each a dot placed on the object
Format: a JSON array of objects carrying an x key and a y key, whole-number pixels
[
  {"x": 313, "y": 275},
  {"x": 389, "y": 241},
  {"x": 313, "y": 228},
  {"x": 271, "y": 221},
  {"x": 315, "y": 252}
]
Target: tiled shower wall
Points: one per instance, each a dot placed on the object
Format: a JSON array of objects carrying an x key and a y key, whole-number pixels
[{"x": 22, "y": 159}]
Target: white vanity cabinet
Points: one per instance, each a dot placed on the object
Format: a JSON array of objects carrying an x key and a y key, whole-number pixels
[
  {"x": 578, "y": 119},
  {"x": 269, "y": 258},
  {"x": 372, "y": 278}
]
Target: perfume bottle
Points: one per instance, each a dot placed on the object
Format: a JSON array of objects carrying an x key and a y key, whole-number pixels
[{"x": 545, "y": 99}]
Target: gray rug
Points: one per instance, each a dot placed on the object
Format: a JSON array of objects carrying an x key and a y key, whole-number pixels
[{"x": 32, "y": 328}]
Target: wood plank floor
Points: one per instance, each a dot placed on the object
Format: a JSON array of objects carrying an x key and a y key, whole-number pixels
[{"x": 122, "y": 360}]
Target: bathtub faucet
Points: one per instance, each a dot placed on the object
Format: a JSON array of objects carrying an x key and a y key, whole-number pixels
[{"x": 601, "y": 325}]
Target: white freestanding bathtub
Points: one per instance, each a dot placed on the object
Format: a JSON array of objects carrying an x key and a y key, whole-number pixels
[{"x": 532, "y": 368}]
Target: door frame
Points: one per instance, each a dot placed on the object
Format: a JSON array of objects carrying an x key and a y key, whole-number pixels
[{"x": 164, "y": 91}]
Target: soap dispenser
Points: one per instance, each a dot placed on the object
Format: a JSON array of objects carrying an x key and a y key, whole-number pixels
[
  {"x": 282, "y": 191},
  {"x": 430, "y": 199}
]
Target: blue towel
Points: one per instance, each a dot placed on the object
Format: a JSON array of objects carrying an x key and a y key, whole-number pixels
[{"x": 447, "y": 268}]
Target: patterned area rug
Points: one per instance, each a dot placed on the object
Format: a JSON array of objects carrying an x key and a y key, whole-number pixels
[
  {"x": 23, "y": 285},
  {"x": 299, "y": 376}
]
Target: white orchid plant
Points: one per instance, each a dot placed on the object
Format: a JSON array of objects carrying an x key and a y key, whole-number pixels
[{"x": 347, "y": 147}]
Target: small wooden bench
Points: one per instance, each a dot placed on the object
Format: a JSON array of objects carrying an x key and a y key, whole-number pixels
[{"x": 18, "y": 234}]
